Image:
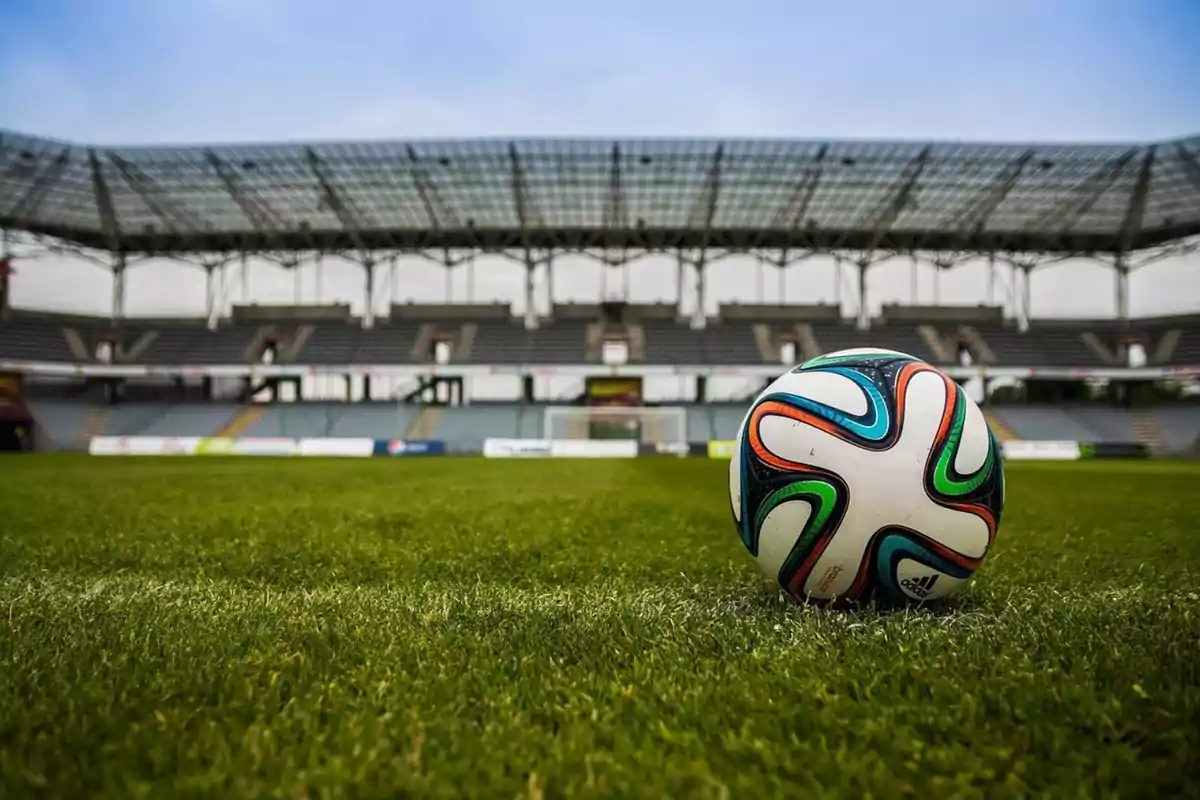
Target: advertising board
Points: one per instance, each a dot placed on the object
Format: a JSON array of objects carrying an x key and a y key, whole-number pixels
[
  {"x": 409, "y": 447},
  {"x": 1030, "y": 450},
  {"x": 720, "y": 448},
  {"x": 516, "y": 448},
  {"x": 336, "y": 448},
  {"x": 594, "y": 448},
  {"x": 142, "y": 446},
  {"x": 250, "y": 446}
]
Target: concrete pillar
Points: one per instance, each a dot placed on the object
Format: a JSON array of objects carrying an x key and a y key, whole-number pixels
[
  {"x": 698, "y": 311},
  {"x": 471, "y": 278},
  {"x": 914, "y": 290},
  {"x": 864, "y": 313},
  {"x": 531, "y": 318},
  {"x": 1023, "y": 306},
  {"x": 318, "y": 271},
  {"x": 245, "y": 270},
  {"x": 210, "y": 292},
  {"x": 991, "y": 289},
  {"x": 118, "y": 290},
  {"x": 369, "y": 293},
  {"x": 1122, "y": 287},
  {"x": 679, "y": 260},
  {"x": 393, "y": 283}
]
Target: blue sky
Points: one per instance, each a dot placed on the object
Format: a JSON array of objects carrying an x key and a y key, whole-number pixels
[{"x": 187, "y": 70}]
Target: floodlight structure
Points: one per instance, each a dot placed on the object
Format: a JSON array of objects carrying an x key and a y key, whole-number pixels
[{"x": 701, "y": 200}]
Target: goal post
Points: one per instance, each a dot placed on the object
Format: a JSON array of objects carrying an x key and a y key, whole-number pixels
[{"x": 661, "y": 427}]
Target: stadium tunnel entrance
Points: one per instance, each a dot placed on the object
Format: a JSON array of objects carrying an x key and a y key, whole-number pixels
[{"x": 16, "y": 436}]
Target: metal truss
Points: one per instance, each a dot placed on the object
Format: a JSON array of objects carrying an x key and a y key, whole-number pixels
[
  {"x": 25, "y": 208},
  {"x": 440, "y": 216},
  {"x": 491, "y": 195},
  {"x": 781, "y": 202},
  {"x": 264, "y": 219}
]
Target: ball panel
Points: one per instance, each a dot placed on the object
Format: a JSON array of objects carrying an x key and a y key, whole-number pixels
[
  {"x": 946, "y": 480},
  {"x": 825, "y": 498},
  {"x": 796, "y": 442},
  {"x": 918, "y": 581},
  {"x": 779, "y": 531},
  {"x": 921, "y": 558},
  {"x": 827, "y": 388},
  {"x": 872, "y": 426},
  {"x": 975, "y": 446}
]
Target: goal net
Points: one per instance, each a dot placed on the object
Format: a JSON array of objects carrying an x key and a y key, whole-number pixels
[{"x": 662, "y": 427}]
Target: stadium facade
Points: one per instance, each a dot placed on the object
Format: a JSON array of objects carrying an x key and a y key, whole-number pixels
[{"x": 531, "y": 200}]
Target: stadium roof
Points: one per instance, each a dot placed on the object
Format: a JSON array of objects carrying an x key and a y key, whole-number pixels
[{"x": 558, "y": 193}]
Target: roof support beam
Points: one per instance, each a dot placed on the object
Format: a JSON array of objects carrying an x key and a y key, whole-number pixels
[
  {"x": 972, "y": 219},
  {"x": 1131, "y": 226},
  {"x": 616, "y": 213},
  {"x": 104, "y": 204},
  {"x": 172, "y": 216},
  {"x": 440, "y": 215},
  {"x": 14, "y": 163},
  {"x": 28, "y": 204},
  {"x": 705, "y": 209},
  {"x": 1190, "y": 165},
  {"x": 1074, "y": 208},
  {"x": 526, "y": 211},
  {"x": 343, "y": 207},
  {"x": 794, "y": 212},
  {"x": 888, "y": 211},
  {"x": 264, "y": 218}
]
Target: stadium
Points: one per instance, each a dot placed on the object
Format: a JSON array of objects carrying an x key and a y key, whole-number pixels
[
  {"x": 421, "y": 588},
  {"x": 229, "y": 375}
]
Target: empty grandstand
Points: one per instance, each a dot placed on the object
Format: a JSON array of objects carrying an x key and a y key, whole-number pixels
[{"x": 321, "y": 370}]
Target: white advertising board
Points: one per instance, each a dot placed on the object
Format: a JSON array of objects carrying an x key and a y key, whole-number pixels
[
  {"x": 142, "y": 446},
  {"x": 516, "y": 448},
  {"x": 594, "y": 448},
  {"x": 1029, "y": 450},
  {"x": 560, "y": 448},
  {"x": 264, "y": 447},
  {"x": 341, "y": 448}
]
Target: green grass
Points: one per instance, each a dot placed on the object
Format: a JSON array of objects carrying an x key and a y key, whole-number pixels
[{"x": 462, "y": 628}]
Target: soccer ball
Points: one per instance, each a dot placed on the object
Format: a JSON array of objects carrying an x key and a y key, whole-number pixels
[{"x": 866, "y": 475}]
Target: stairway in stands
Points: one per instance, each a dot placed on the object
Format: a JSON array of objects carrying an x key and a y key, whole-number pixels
[
  {"x": 75, "y": 344},
  {"x": 466, "y": 340},
  {"x": 425, "y": 423},
  {"x": 980, "y": 350},
  {"x": 1000, "y": 428},
  {"x": 94, "y": 425},
  {"x": 942, "y": 352},
  {"x": 1166, "y": 346},
  {"x": 295, "y": 344},
  {"x": 1148, "y": 430},
  {"x": 765, "y": 340},
  {"x": 241, "y": 422},
  {"x": 810, "y": 348}
]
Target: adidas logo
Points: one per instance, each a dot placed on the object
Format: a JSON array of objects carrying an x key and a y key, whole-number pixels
[{"x": 921, "y": 587}]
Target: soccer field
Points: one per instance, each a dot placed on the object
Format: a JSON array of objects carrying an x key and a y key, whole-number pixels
[{"x": 455, "y": 627}]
